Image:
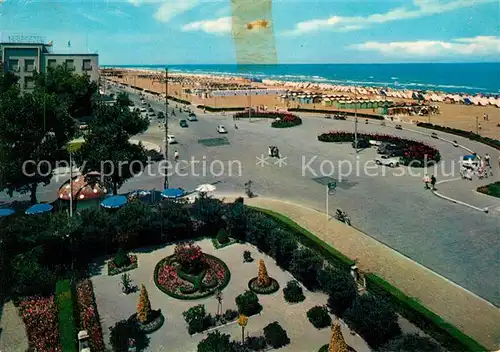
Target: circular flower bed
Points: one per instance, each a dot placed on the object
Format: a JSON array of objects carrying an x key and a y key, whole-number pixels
[
  {"x": 210, "y": 276},
  {"x": 416, "y": 153},
  {"x": 156, "y": 322},
  {"x": 287, "y": 120},
  {"x": 263, "y": 290}
]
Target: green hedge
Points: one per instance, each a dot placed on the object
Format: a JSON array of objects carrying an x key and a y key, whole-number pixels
[
  {"x": 492, "y": 189},
  {"x": 467, "y": 134},
  {"x": 309, "y": 240},
  {"x": 65, "y": 307},
  {"x": 212, "y": 109},
  {"x": 446, "y": 334},
  {"x": 182, "y": 101},
  {"x": 348, "y": 113}
]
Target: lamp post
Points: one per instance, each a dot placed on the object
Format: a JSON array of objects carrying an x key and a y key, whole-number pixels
[
  {"x": 70, "y": 185},
  {"x": 166, "y": 124},
  {"x": 355, "y": 123}
]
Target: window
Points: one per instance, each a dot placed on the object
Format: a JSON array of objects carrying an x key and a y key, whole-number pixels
[
  {"x": 14, "y": 65},
  {"x": 70, "y": 64},
  {"x": 29, "y": 83},
  {"x": 87, "y": 65},
  {"x": 52, "y": 63},
  {"x": 29, "y": 65}
]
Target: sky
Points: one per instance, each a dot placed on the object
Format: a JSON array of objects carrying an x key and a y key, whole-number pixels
[{"x": 302, "y": 31}]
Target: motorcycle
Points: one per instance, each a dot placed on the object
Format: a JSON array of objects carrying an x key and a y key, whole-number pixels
[{"x": 342, "y": 216}]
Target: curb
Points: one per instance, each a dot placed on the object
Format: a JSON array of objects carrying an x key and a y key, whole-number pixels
[{"x": 483, "y": 210}]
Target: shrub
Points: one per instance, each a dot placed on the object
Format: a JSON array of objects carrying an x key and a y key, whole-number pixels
[
  {"x": 215, "y": 341},
  {"x": 121, "y": 258},
  {"x": 256, "y": 343},
  {"x": 319, "y": 317},
  {"x": 304, "y": 266},
  {"x": 176, "y": 220},
  {"x": 235, "y": 216},
  {"x": 223, "y": 236},
  {"x": 195, "y": 317},
  {"x": 209, "y": 212},
  {"x": 89, "y": 317},
  {"x": 410, "y": 343},
  {"x": 188, "y": 255},
  {"x": 230, "y": 315},
  {"x": 275, "y": 335},
  {"x": 372, "y": 318},
  {"x": 122, "y": 332},
  {"x": 247, "y": 257},
  {"x": 287, "y": 120},
  {"x": 282, "y": 245},
  {"x": 340, "y": 288},
  {"x": 67, "y": 325},
  {"x": 293, "y": 292},
  {"x": 248, "y": 303}
]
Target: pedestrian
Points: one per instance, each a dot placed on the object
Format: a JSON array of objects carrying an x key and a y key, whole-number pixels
[
  {"x": 277, "y": 152},
  {"x": 484, "y": 117},
  {"x": 433, "y": 182},
  {"x": 270, "y": 151},
  {"x": 176, "y": 155},
  {"x": 426, "y": 181},
  {"x": 487, "y": 159}
]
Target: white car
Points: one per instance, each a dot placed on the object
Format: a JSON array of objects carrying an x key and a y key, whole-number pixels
[
  {"x": 387, "y": 161},
  {"x": 375, "y": 143},
  {"x": 171, "y": 139},
  {"x": 221, "y": 129},
  {"x": 143, "y": 102}
]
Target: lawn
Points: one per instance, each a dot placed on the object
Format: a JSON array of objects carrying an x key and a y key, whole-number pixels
[{"x": 493, "y": 189}]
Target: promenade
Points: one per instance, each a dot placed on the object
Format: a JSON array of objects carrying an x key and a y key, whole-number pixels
[{"x": 473, "y": 315}]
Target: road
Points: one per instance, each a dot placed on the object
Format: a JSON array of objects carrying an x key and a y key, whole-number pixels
[{"x": 456, "y": 242}]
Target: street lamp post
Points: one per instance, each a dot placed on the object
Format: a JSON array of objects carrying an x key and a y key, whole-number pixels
[
  {"x": 355, "y": 123},
  {"x": 70, "y": 185},
  {"x": 166, "y": 124}
]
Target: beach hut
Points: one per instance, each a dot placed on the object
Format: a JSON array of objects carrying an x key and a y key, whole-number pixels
[{"x": 326, "y": 102}]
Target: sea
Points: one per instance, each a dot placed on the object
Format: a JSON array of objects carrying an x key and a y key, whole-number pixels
[{"x": 466, "y": 78}]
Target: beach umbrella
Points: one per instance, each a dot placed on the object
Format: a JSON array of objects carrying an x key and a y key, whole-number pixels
[
  {"x": 39, "y": 209},
  {"x": 6, "y": 212},
  {"x": 172, "y": 193},
  {"x": 114, "y": 202},
  {"x": 206, "y": 188}
]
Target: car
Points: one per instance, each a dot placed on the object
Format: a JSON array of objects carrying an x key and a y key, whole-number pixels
[
  {"x": 154, "y": 155},
  {"x": 362, "y": 144},
  {"x": 171, "y": 139},
  {"x": 143, "y": 111},
  {"x": 398, "y": 127},
  {"x": 434, "y": 135},
  {"x": 384, "y": 147},
  {"x": 221, "y": 129},
  {"x": 151, "y": 109},
  {"x": 192, "y": 117},
  {"x": 151, "y": 114},
  {"x": 161, "y": 115},
  {"x": 387, "y": 161},
  {"x": 183, "y": 123},
  {"x": 143, "y": 102}
]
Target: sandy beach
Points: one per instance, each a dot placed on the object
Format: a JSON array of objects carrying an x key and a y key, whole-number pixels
[{"x": 453, "y": 115}]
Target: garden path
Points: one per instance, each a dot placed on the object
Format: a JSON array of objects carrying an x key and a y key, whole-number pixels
[{"x": 12, "y": 331}]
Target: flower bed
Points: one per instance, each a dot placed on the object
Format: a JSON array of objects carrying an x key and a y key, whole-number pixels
[
  {"x": 39, "y": 314},
  {"x": 285, "y": 119},
  {"x": 416, "y": 153},
  {"x": 172, "y": 280},
  {"x": 267, "y": 290},
  {"x": 115, "y": 270},
  {"x": 88, "y": 315},
  {"x": 218, "y": 245}
]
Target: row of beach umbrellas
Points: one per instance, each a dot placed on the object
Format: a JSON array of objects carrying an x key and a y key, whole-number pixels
[{"x": 114, "y": 202}]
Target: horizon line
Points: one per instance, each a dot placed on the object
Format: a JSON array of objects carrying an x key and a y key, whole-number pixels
[{"x": 305, "y": 63}]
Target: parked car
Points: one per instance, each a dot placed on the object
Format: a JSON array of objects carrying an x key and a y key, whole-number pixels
[
  {"x": 171, "y": 139},
  {"x": 183, "y": 123},
  {"x": 192, "y": 117},
  {"x": 151, "y": 109},
  {"x": 154, "y": 155},
  {"x": 143, "y": 102},
  {"x": 362, "y": 144},
  {"x": 388, "y": 160},
  {"x": 221, "y": 129},
  {"x": 375, "y": 143},
  {"x": 434, "y": 135},
  {"x": 160, "y": 115},
  {"x": 398, "y": 127}
]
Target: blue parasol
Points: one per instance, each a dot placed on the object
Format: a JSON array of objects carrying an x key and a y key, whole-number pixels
[
  {"x": 114, "y": 202},
  {"x": 172, "y": 193},
  {"x": 39, "y": 209},
  {"x": 6, "y": 212}
]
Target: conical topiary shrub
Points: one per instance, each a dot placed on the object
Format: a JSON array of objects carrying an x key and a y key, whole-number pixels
[
  {"x": 263, "y": 279},
  {"x": 337, "y": 343},
  {"x": 143, "y": 306}
]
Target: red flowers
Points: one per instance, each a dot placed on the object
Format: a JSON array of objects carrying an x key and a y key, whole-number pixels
[
  {"x": 89, "y": 318},
  {"x": 168, "y": 278},
  {"x": 40, "y": 317},
  {"x": 188, "y": 254}
]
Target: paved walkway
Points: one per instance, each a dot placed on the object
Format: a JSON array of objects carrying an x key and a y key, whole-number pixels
[
  {"x": 12, "y": 331},
  {"x": 473, "y": 315}
]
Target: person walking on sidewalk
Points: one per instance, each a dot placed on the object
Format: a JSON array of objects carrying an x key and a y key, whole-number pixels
[
  {"x": 176, "y": 155},
  {"x": 426, "y": 181},
  {"x": 433, "y": 182},
  {"x": 487, "y": 160}
]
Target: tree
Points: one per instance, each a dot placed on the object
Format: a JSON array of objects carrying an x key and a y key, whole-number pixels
[
  {"x": 132, "y": 223},
  {"x": 74, "y": 90},
  {"x": 176, "y": 220},
  {"x": 337, "y": 342},
  {"x": 236, "y": 218},
  {"x": 340, "y": 288},
  {"x": 123, "y": 332},
  {"x": 374, "y": 319},
  {"x": 123, "y": 100},
  {"x": 411, "y": 343},
  {"x": 209, "y": 212},
  {"x": 304, "y": 266},
  {"x": 143, "y": 306},
  {"x": 34, "y": 127},
  {"x": 107, "y": 148},
  {"x": 8, "y": 81},
  {"x": 263, "y": 279}
]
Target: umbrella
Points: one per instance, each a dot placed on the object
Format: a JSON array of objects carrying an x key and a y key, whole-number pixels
[
  {"x": 39, "y": 209},
  {"x": 114, "y": 202},
  {"x": 172, "y": 193},
  {"x": 6, "y": 212},
  {"x": 206, "y": 188},
  {"x": 139, "y": 193}
]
